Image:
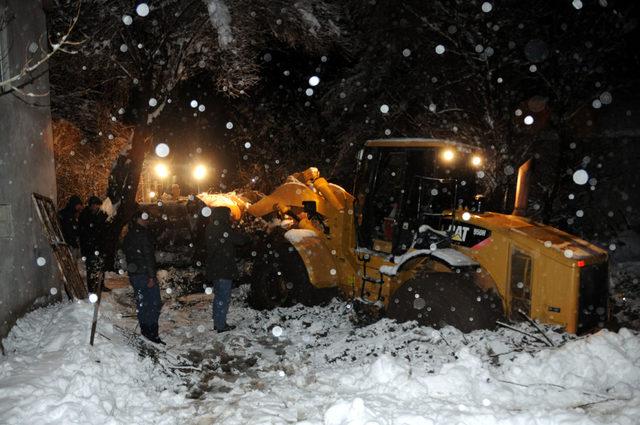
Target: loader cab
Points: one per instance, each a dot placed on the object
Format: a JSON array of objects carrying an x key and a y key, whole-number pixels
[{"x": 403, "y": 184}]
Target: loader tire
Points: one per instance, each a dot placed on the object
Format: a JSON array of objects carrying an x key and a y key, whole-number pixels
[
  {"x": 280, "y": 279},
  {"x": 440, "y": 299}
]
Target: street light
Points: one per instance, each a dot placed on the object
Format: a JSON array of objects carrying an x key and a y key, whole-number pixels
[{"x": 199, "y": 173}]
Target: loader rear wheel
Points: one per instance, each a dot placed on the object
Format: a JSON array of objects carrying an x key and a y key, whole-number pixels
[
  {"x": 280, "y": 279},
  {"x": 439, "y": 299}
]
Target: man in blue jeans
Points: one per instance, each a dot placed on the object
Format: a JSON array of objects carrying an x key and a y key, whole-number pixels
[
  {"x": 222, "y": 240},
  {"x": 141, "y": 265}
]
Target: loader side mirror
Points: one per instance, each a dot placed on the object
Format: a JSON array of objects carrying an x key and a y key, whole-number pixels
[{"x": 478, "y": 202}]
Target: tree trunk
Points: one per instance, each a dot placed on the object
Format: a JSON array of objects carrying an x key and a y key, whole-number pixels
[
  {"x": 564, "y": 148},
  {"x": 123, "y": 187}
]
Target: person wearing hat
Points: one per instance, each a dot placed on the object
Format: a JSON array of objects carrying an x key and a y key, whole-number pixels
[
  {"x": 221, "y": 242},
  {"x": 92, "y": 232},
  {"x": 139, "y": 251}
]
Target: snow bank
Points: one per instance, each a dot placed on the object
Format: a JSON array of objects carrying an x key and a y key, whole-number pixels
[
  {"x": 318, "y": 368},
  {"x": 53, "y": 376}
]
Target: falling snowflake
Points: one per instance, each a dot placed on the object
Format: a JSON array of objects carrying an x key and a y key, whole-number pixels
[
  {"x": 439, "y": 49},
  {"x": 276, "y": 331},
  {"x": 314, "y": 81},
  {"x": 162, "y": 149},
  {"x": 580, "y": 177},
  {"x": 142, "y": 9},
  {"x": 487, "y": 7},
  {"x": 40, "y": 261},
  {"x": 384, "y": 109}
]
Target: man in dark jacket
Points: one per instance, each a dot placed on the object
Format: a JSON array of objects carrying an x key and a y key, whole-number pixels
[
  {"x": 92, "y": 231},
  {"x": 68, "y": 217},
  {"x": 222, "y": 241},
  {"x": 139, "y": 251}
]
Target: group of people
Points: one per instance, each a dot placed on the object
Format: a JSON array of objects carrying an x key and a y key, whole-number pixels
[{"x": 84, "y": 229}]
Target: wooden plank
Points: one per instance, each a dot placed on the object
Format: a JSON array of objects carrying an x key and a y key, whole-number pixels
[{"x": 73, "y": 282}]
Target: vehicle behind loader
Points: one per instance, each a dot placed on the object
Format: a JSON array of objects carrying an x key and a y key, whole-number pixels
[{"x": 413, "y": 242}]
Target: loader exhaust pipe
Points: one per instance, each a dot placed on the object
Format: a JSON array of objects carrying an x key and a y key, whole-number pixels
[{"x": 522, "y": 188}]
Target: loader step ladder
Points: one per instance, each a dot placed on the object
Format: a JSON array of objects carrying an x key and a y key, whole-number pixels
[
  {"x": 73, "y": 282},
  {"x": 369, "y": 279}
]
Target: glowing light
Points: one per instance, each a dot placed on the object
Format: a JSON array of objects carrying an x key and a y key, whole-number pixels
[
  {"x": 448, "y": 155},
  {"x": 152, "y": 194},
  {"x": 466, "y": 216},
  {"x": 476, "y": 160},
  {"x": 161, "y": 170},
  {"x": 581, "y": 263},
  {"x": 199, "y": 172}
]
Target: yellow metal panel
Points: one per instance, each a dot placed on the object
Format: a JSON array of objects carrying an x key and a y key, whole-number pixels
[{"x": 321, "y": 266}]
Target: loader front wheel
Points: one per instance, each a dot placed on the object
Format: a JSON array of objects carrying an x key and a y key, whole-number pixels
[
  {"x": 281, "y": 280},
  {"x": 440, "y": 299}
]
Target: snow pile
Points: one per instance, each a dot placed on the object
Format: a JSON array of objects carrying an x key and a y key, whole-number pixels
[
  {"x": 297, "y": 235},
  {"x": 231, "y": 200},
  {"x": 52, "y": 375},
  {"x": 220, "y": 18},
  {"x": 311, "y": 366}
]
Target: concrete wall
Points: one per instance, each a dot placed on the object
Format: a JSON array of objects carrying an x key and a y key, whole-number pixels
[{"x": 26, "y": 166}]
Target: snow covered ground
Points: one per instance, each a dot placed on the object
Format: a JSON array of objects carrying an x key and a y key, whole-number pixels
[{"x": 307, "y": 366}]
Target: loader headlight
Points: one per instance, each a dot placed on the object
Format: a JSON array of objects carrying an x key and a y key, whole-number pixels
[
  {"x": 476, "y": 161},
  {"x": 161, "y": 170},
  {"x": 448, "y": 155},
  {"x": 199, "y": 172}
]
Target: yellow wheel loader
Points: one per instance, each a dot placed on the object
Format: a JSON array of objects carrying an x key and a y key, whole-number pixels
[{"x": 414, "y": 242}]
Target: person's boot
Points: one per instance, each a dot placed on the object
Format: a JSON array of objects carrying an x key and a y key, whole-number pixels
[
  {"x": 227, "y": 327},
  {"x": 152, "y": 334}
]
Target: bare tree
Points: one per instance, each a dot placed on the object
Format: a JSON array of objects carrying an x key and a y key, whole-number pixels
[
  {"x": 134, "y": 58},
  {"x": 35, "y": 55}
]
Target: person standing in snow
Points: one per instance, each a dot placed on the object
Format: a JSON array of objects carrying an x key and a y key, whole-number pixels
[
  {"x": 70, "y": 227},
  {"x": 221, "y": 241},
  {"x": 92, "y": 225},
  {"x": 139, "y": 251}
]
